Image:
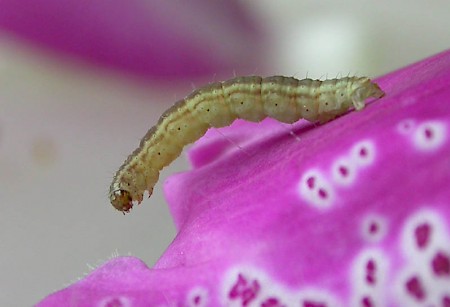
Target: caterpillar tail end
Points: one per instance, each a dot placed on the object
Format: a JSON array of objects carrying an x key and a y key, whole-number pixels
[
  {"x": 373, "y": 90},
  {"x": 377, "y": 92}
]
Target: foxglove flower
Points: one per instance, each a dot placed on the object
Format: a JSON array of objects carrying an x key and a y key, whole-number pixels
[{"x": 355, "y": 212}]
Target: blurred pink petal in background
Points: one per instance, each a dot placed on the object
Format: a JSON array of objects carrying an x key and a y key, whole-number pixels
[
  {"x": 355, "y": 212},
  {"x": 162, "y": 40}
]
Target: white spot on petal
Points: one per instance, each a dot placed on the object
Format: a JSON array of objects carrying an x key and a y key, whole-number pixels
[
  {"x": 317, "y": 297},
  {"x": 239, "y": 289},
  {"x": 406, "y": 126},
  {"x": 369, "y": 276},
  {"x": 369, "y": 270},
  {"x": 316, "y": 190},
  {"x": 374, "y": 228},
  {"x": 247, "y": 286},
  {"x": 425, "y": 278},
  {"x": 343, "y": 171},
  {"x": 429, "y": 135},
  {"x": 198, "y": 297},
  {"x": 415, "y": 287},
  {"x": 410, "y": 289},
  {"x": 363, "y": 153},
  {"x": 242, "y": 287},
  {"x": 115, "y": 301},
  {"x": 422, "y": 234}
]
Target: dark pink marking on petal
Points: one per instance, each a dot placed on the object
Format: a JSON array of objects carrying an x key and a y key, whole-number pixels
[
  {"x": 367, "y": 302},
  {"x": 115, "y": 302},
  {"x": 414, "y": 288},
  {"x": 422, "y": 234},
  {"x": 370, "y": 272},
  {"x": 446, "y": 301},
  {"x": 311, "y": 181},
  {"x": 323, "y": 193},
  {"x": 371, "y": 266},
  {"x": 406, "y": 125},
  {"x": 374, "y": 227},
  {"x": 441, "y": 264},
  {"x": 313, "y": 304},
  {"x": 343, "y": 171},
  {"x": 244, "y": 290},
  {"x": 271, "y": 302},
  {"x": 370, "y": 279},
  {"x": 197, "y": 299},
  {"x": 428, "y": 133},
  {"x": 363, "y": 152}
]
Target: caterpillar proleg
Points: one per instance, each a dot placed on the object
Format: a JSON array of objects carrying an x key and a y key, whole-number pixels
[{"x": 218, "y": 104}]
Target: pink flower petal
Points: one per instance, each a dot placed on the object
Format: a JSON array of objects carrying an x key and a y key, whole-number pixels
[
  {"x": 274, "y": 224},
  {"x": 146, "y": 38}
]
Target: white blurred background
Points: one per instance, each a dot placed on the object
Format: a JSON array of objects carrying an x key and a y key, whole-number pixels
[{"x": 66, "y": 126}]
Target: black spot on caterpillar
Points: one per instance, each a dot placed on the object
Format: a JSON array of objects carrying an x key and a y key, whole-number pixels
[{"x": 218, "y": 104}]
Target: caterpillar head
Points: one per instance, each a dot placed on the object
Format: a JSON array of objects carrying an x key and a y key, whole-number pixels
[
  {"x": 364, "y": 88},
  {"x": 121, "y": 200}
]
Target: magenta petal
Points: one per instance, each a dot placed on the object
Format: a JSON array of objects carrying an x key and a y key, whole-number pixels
[
  {"x": 355, "y": 212},
  {"x": 147, "y": 38}
]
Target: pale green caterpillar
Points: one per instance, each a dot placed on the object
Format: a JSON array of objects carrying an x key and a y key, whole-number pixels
[{"x": 217, "y": 105}]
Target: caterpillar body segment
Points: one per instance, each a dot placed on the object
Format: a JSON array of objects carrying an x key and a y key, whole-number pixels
[{"x": 252, "y": 98}]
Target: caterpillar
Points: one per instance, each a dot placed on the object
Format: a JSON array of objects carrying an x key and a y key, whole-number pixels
[{"x": 251, "y": 98}]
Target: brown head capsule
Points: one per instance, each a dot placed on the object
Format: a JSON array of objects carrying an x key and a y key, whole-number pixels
[{"x": 121, "y": 200}]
